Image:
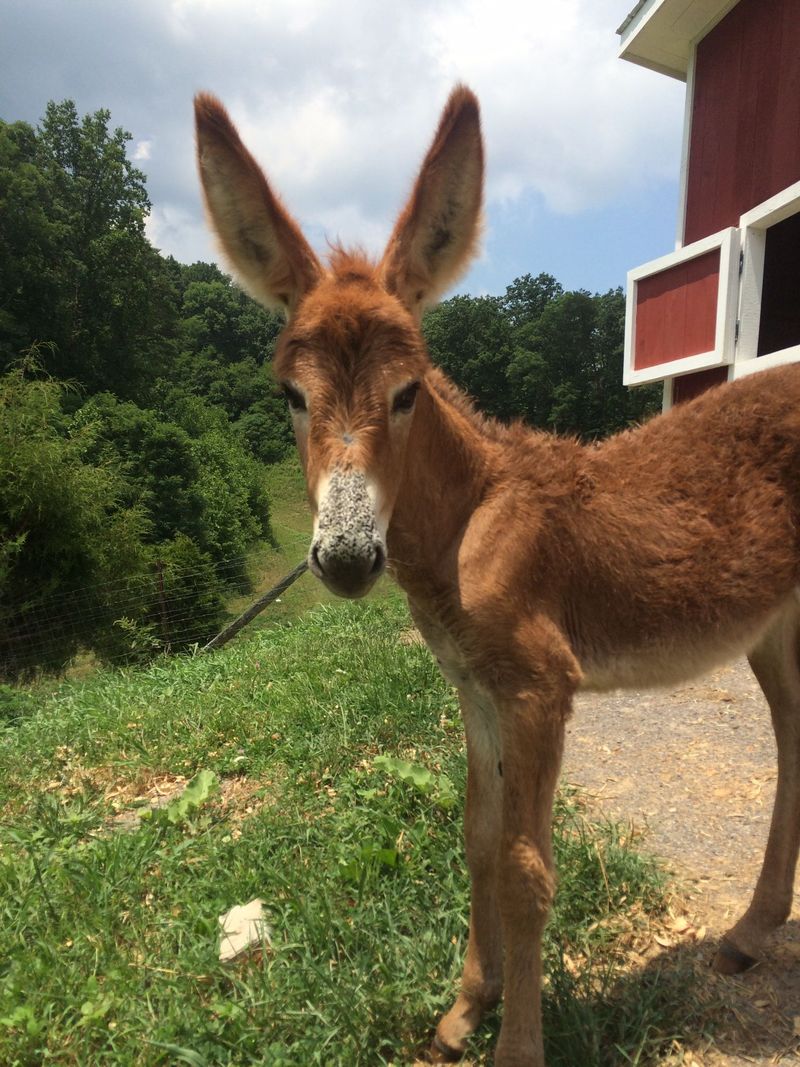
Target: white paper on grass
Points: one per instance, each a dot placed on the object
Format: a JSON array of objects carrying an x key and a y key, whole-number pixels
[{"x": 244, "y": 925}]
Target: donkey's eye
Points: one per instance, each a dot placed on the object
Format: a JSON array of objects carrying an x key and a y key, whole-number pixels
[
  {"x": 295, "y": 399},
  {"x": 404, "y": 401}
]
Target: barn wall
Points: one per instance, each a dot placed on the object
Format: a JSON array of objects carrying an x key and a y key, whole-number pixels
[
  {"x": 688, "y": 386},
  {"x": 745, "y": 137}
]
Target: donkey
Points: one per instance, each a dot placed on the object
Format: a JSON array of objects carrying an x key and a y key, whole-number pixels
[{"x": 533, "y": 565}]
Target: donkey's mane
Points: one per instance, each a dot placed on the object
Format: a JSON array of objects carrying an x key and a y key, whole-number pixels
[
  {"x": 352, "y": 264},
  {"x": 509, "y": 434}
]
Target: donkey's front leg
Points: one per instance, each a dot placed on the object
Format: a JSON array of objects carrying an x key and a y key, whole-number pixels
[
  {"x": 535, "y": 686},
  {"x": 532, "y": 732},
  {"x": 482, "y": 981}
]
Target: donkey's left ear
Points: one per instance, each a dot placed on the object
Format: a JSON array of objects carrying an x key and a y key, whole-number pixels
[{"x": 437, "y": 233}]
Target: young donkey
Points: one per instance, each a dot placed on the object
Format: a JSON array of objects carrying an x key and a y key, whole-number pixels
[{"x": 533, "y": 565}]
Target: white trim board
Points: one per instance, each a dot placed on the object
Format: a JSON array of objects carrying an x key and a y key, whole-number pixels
[
  {"x": 772, "y": 359},
  {"x": 686, "y": 144},
  {"x": 659, "y": 34}
]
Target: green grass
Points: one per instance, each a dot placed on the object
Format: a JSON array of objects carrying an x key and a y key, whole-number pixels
[{"x": 108, "y": 937}]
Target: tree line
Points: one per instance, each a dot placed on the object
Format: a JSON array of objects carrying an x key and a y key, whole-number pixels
[
  {"x": 550, "y": 357},
  {"x": 137, "y": 412}
]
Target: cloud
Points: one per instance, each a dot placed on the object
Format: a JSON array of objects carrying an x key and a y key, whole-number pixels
[{"x": 339, "y": 99}]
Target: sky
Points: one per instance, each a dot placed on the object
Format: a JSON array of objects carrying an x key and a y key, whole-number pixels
[{"x": 338, "y": 101}]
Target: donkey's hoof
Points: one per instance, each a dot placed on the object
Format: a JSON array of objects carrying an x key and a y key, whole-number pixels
[
  {"x": 439, "y": 1052},
  {"x": 731, "y": 960}
]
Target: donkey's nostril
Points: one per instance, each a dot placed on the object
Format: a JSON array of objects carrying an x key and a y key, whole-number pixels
[
  {"x": 316, "y": 566},
  {"x": 346, "y": 573},
  {"x": 379, "y": 562}
]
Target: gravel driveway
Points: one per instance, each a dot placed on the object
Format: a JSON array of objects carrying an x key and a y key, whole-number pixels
[{"x": 694, "y": 769}]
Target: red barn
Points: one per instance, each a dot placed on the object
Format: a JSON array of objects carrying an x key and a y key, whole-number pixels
[{"x": 726, "y": 302}]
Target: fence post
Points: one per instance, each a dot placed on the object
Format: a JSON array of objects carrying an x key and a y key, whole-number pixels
[{"x": 255, "y": 608}]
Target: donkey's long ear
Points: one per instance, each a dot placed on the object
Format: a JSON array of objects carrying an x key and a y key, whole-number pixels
[
  {"x": 261, "y": 241},
  {"x": 437, "y": 232}
]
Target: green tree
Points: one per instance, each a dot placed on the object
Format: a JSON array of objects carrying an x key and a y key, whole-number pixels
[
  {"x": 226, "y": 342},
  {"x": 119, "y": 532},
  {"x": 30, "y": 278},
  {"x": 64, "y": 532},
  {"x": 155, "y": 462},
  {"x": 527, "y": 297},
  {"x": 236, "y": 508},
  {"x": 78, "y": 270},
  {"x": 198, "y": 482},
  {"x": 170, "y": 399},
  {"x": 538, "y": 353},
  {"x": 471, "y": 340},
  {"x": 566, "y": 371},
  {"x": 218, "y": 316}
]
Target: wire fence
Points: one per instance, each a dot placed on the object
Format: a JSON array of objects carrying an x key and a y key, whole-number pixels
[{"x": 131, "y": 619}]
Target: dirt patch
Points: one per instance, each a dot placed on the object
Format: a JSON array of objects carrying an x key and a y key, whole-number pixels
[
  {"x": 236, "y": 799},
  {"x": 694, "y": 771}
]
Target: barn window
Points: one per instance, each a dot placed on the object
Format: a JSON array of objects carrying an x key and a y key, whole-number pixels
[
  {"x": 769, "y": 306},
  {"x": 780, "y": 297}
]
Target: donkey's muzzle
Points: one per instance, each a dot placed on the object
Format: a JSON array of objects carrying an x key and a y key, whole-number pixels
[{"x": 347, "y": 553}]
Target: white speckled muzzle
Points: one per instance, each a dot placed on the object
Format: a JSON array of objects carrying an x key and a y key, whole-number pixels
[{"x": 348, "y": 553}]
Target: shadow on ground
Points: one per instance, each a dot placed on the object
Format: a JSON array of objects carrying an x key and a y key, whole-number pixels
[
  {"x": 672, "y": 1009},
  {"x": 690, "y": 1014}
]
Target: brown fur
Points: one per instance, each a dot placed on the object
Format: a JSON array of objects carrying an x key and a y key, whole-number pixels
[{"x": 533, "y": 565}]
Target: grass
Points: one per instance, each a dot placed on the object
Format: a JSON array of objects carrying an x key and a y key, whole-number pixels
[{"x": 339, "y": 757}]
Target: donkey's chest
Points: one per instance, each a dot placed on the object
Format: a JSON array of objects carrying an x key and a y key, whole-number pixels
[
  {"x": 477, "y": 707},
  {"x": 448, "y": 653}
]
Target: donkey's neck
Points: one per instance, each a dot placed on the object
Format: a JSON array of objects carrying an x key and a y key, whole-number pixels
[{"x": 447, "y": 469}]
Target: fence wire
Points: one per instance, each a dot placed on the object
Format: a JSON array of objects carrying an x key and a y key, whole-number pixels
[{"x": 130, "y": 619}]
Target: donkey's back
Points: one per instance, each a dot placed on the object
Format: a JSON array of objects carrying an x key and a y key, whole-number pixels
[{"x": 683, "y": 547}]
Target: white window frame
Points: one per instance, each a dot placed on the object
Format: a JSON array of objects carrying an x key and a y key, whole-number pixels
[
  {"x": 727, "y": 241},
  {"x": 686, "y": 142},
  {"x": 754, "y": 225}
]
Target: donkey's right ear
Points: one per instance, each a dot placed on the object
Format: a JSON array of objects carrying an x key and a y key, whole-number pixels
[{"x": 260, "y": 240}]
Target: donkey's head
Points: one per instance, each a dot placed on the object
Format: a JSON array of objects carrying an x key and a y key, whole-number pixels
[{"x": 351, "y": 360}]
